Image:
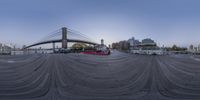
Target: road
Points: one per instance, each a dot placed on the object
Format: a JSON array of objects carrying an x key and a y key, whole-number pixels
[{"x": 119, "y": 76}]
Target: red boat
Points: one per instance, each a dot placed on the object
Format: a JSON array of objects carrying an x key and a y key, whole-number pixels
[{"x": 97, "y": 52}]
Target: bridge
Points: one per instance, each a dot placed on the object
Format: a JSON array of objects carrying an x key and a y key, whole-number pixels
[{"x": 63, "y": 35}]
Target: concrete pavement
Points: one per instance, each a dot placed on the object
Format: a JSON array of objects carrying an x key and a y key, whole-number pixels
[{"x": 119, "y": 76}]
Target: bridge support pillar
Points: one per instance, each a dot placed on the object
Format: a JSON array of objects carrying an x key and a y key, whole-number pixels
[
  {"x": 64, "y": 37},
  {"x": 54, "y": 47}
]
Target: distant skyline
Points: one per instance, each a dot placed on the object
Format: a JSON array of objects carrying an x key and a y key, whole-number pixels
[{"x": 167, "y": 22}]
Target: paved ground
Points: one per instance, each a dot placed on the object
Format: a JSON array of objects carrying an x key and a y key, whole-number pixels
[{"x": 88, "y": 77}]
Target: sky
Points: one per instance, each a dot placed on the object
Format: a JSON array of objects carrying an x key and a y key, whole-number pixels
[{"x": 168, "y": 22}]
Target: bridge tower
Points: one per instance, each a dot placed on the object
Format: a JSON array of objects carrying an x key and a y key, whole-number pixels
[
  {"x": 64, "y": 37},
  {"x": 53, "y": 47}
]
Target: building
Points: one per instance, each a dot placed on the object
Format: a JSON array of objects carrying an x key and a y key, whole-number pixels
[
  {"x": 122, "y": 45},
  {"x": 102, "y": 42},
  {"x": 115, "y": 45},
  {"x": 199, "y": 48},
  {"x": 134, "y": 43},
  {"x": 191, "y": 48},
  {"x": 146, "y": 46},
  {"x": 1, "y": 48},
  {"x": 102, "y": 48},
  {"x": 4, "y": 49},
  {"x": 148, "y": 41},
  {"x": 195, "y": 49}
]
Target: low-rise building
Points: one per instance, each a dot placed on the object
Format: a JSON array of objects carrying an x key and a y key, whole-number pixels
[
  {"x": 147, "y": 46},
  {"x": 199, "y": 48},
  {"x": 191, "y": 48},
  {"x": 4, "y": 49}
]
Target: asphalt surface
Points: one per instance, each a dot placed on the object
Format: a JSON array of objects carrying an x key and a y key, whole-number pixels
[{"x": 119, "y": 76}]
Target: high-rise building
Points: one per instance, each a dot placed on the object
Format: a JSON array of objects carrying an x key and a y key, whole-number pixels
[{"x": 133, "y": 43}]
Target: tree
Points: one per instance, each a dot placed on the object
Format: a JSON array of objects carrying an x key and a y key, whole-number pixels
[
  {"x": 79, "y": 46},
  {"x": 174, "y": 47}
]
